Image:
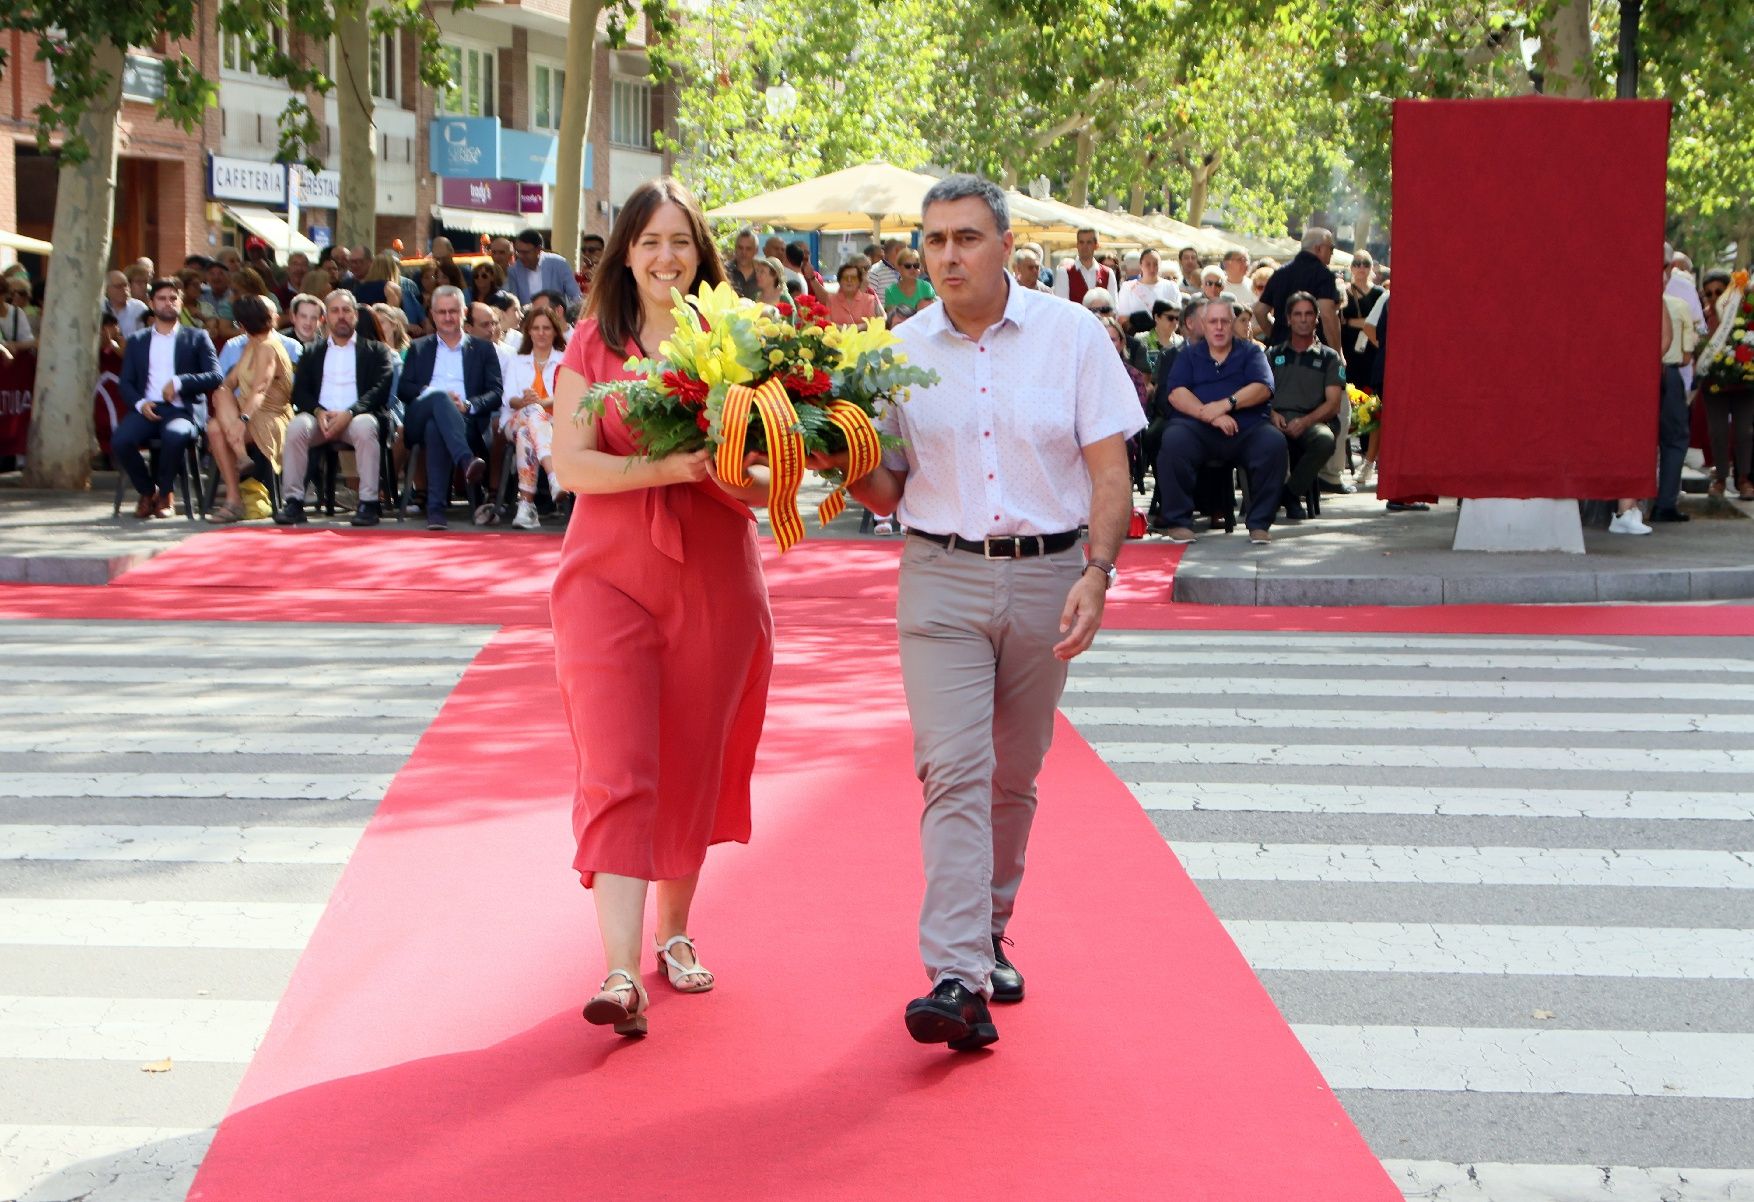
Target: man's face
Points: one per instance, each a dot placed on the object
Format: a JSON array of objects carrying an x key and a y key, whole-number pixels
[
  {"x": 343, "y": 317},
  {"x": 442, "y": 249},
  {"x": 116, "y": 288},
  {"x": 482, "y": 323},
  {"x": 1302, "y": 320},
  {"x": 1029, "y": 274},
  {"x": 746, "y": 249},
  {"x": 500, "y": 250},
  {"x": 541, "y": 304},
  {"x": 1234, "y": 266},
  {"x": 1086, "y": 246},
  {"x": 590, "y": 251},
  {"x": 774, "y": 248},
  {"x": 167, "y": 303},
  {"x": 447, "y": 316},
  {"x": 1190, "y": 263},
  {"x": 307, "y": 321},
  {"x": 359, "y": 261},
  {"x": 296, "y": 267},
  {"x": 965, "y": 253},
  {"x": 138, "y": 285},
  {"x": 1324, "y": 252},
  {"x": 1217, "y": 325},
  {"x": 529, "y": 254},
  {"x": 218, "y": 279}
]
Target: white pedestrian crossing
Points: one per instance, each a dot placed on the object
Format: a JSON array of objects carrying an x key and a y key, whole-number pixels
[
  {"x": 144, "y": 1029},
  {"x": 100, "y": 1163},
  {"x": 185, "y": 844},
  {"x": 1462, "y": 801},
  {"x": 160, "y": 741},
  {"x": 93, "y": 922},
  {"x": 1645, "y": 952},
  {"x": 171, "y": 786},
  {"x": 1368, "y": 902}
]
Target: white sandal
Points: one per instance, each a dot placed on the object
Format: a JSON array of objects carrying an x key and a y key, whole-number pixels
[
  {"x": 609, "y": 1009},
  {"x": 676, "y": 970}
]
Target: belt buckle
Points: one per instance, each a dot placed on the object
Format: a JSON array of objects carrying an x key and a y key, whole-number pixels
[{"x": 987, "y": 547}]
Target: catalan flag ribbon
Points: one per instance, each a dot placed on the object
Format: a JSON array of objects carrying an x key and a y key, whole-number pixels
[
  {"x": 864, "y": 452},
  {"x": 785, "y": 452}
]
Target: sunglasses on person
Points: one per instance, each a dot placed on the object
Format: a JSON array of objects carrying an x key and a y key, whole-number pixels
[{"x": 1104, "y": 310}]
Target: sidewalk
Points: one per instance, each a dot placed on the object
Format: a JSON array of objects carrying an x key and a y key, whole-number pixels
[{"x": 1356, "y": 553}]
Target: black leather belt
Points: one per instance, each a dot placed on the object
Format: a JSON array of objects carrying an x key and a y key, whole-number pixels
[{"x": 1004, "y": 546}]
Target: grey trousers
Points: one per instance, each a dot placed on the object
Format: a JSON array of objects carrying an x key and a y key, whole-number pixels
[
  {"x": 983, "y": 685},
  {"x": 361, "y": 434}
]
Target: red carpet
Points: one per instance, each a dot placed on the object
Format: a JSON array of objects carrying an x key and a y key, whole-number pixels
[{"x": 430, "y": 1045}]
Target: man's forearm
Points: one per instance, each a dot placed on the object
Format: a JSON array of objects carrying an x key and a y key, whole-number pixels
[
  {"x": 879, "y": 491},
  {"x": 1250, "y": 395},
  {"x": 1111, "y": 509}
]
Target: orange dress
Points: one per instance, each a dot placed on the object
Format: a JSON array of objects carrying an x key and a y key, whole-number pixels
[{"x": 663, "y": 643}]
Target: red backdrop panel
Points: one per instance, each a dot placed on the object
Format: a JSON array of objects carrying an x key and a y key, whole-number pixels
[{"x": 1523, "y": 355}]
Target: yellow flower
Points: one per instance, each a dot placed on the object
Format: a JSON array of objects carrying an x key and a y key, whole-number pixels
[
  {"x": 775, "y": 358},
  {"x": 807, "y": 355},
  {"x": 857, "y": 341},
  {"x": 716, "y": 303}
]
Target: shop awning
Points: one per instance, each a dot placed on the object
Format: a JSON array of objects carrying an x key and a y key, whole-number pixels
[
  {"x": 25, "y": 243},
  {"x": 493, "y": 225},
  {"x": 272, "y": 229}
]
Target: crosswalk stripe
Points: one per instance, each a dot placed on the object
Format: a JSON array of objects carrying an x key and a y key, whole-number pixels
[
  {"x": 1305, "y": 754},
  {"x": 242, "y": 786},
  {"x": 200, "y": 655},
  {"x": 151, "y": 1164},
  {"x": 106, "y": 674},
  {"x": 1650, "y": 1064},
  {"x": 182, "y": 844},
  {"x": 1411, "y": 661},
  {"x": 1697, "y": 954},
  {"x": 163, "y": 741},
  {"x": 1156, "y": 641},
  {"x": 1692, "y": 693},
  {"x": 1296, "y": 721},
  {"x": 251, "y": 632},
  {"x": 1444, "y": 1181},
  {"x": 311, "y": 703},
  {"x": 1377, "y": 864},
  {"x": 81, "y": 922},
  {"x": 1478, "y": 802},
  {"x": 144, "y": 1029}
]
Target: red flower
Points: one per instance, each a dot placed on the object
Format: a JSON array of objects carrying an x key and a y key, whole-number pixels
[
  {"x": 784, "y": 309},
  {"x": 686, "y": 389},
  {"x": 701, "y": 420},
  {"x": 1744, "y": 353},
  {"x": 817, "y": 384}
]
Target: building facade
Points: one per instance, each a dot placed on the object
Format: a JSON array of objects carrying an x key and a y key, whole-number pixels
[{"x": 475, "y": 161}]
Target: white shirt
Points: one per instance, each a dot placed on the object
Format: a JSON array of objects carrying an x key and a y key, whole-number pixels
[
  {"x": 1244, "y": 292},
  {"x": 881, "y": 276},
  {"x": 1137, "y": 296},
  {"x": 130, "y": 317},
  {"x": 161, "y": 367},
  {"x": 518, "y": 372},
  {"x": 340, "y": 388},
  {"x": 447, "y": 367},
  {"x": 1681, "y": 285},
  {"x": 996, "y": 446},
  {"x": 1063, "y": 282}
]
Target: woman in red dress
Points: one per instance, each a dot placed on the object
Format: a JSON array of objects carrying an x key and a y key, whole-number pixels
[{"x": 662, "y": 634}]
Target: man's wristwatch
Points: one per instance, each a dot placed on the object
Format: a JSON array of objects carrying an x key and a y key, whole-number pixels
[
  {"x": 1108, "y": 571},
  {"x": 1232, "y": 399}
]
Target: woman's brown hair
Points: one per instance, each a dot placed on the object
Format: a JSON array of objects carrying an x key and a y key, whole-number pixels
[
  {"x": 496, "y": 277},
  {"x": 555, "y": 323},
  {"x": 614, "y": 300}
]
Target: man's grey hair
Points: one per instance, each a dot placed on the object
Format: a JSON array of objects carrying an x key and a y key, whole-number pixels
[
  {"x": 747, "y": 231},
  {"x": 348, "y": 299},
  {"x": 961, "y": 187},
  {"x": 1315, "y": 237},
  {"x": 1025, "y": 255},
  {"x": 444, "y": 290}
]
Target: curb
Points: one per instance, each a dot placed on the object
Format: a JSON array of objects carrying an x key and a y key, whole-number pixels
[{"x": 1242, "y": 584}]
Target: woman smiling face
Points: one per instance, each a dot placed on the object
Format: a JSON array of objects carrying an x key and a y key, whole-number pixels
[{"x": 663, "y": 256}]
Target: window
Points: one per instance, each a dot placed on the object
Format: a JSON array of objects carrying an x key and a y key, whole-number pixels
[
  {"x": 387, "y": 68},
  {"x": 547, "y": 91},
  {"x": 630, "y": 113},
  {"x": 471, "y": 93},
  {"x": 236, "y": 53}
]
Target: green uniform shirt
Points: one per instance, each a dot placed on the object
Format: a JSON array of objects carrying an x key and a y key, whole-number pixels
[{"x": 1301, "y": 378}]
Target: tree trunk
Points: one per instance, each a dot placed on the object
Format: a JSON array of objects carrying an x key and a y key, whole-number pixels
[
  {"x": 575, "y": 128},
  {"x": 356, "y": 222},
  {"x": 61, "y": 428},
  {"x": 1361, "y": 229},
  {"x": 1566, "y": 50},
  {"x": 1200, "y": 185},
  {"x": 1079, "y": 194}
]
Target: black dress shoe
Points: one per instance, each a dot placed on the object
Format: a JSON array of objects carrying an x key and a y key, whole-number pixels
[
  {"x": 1294, "y": 510},
  {"x": 472, "y": 472},
  {"x": 1007, "y": 981},
  {"x": 292, "y": 512},
  {"x": 370, "y": 514},
  {"x": 1670, "y": 515},
  {"x": 952, "y": 1014}
]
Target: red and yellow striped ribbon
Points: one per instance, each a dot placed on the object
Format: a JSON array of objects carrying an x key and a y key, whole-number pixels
[
  {"x": 785, "y": 452},
  {"x": 864, "y": 453}
]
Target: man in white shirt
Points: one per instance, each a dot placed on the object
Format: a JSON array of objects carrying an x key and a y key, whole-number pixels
[
  {"x": 1236, "y": 281},
  {"x": 1083, "y": 273},
  {"x": 130, "y": 314},
  {"x": 883, "y": 272},
  {"x": 1021, "y": 443},
  {"x": 339, "y": 387},
  {"x": 168, "y": 370},
  {"x": 1026, "y": 266}
]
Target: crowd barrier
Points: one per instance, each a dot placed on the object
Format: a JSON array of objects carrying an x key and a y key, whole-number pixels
[{"x": 18, "y": 382}]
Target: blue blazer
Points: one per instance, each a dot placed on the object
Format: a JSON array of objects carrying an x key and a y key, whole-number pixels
[
  {"x": 481, "y": 382},
  {"x": 196, "y": 365}
]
